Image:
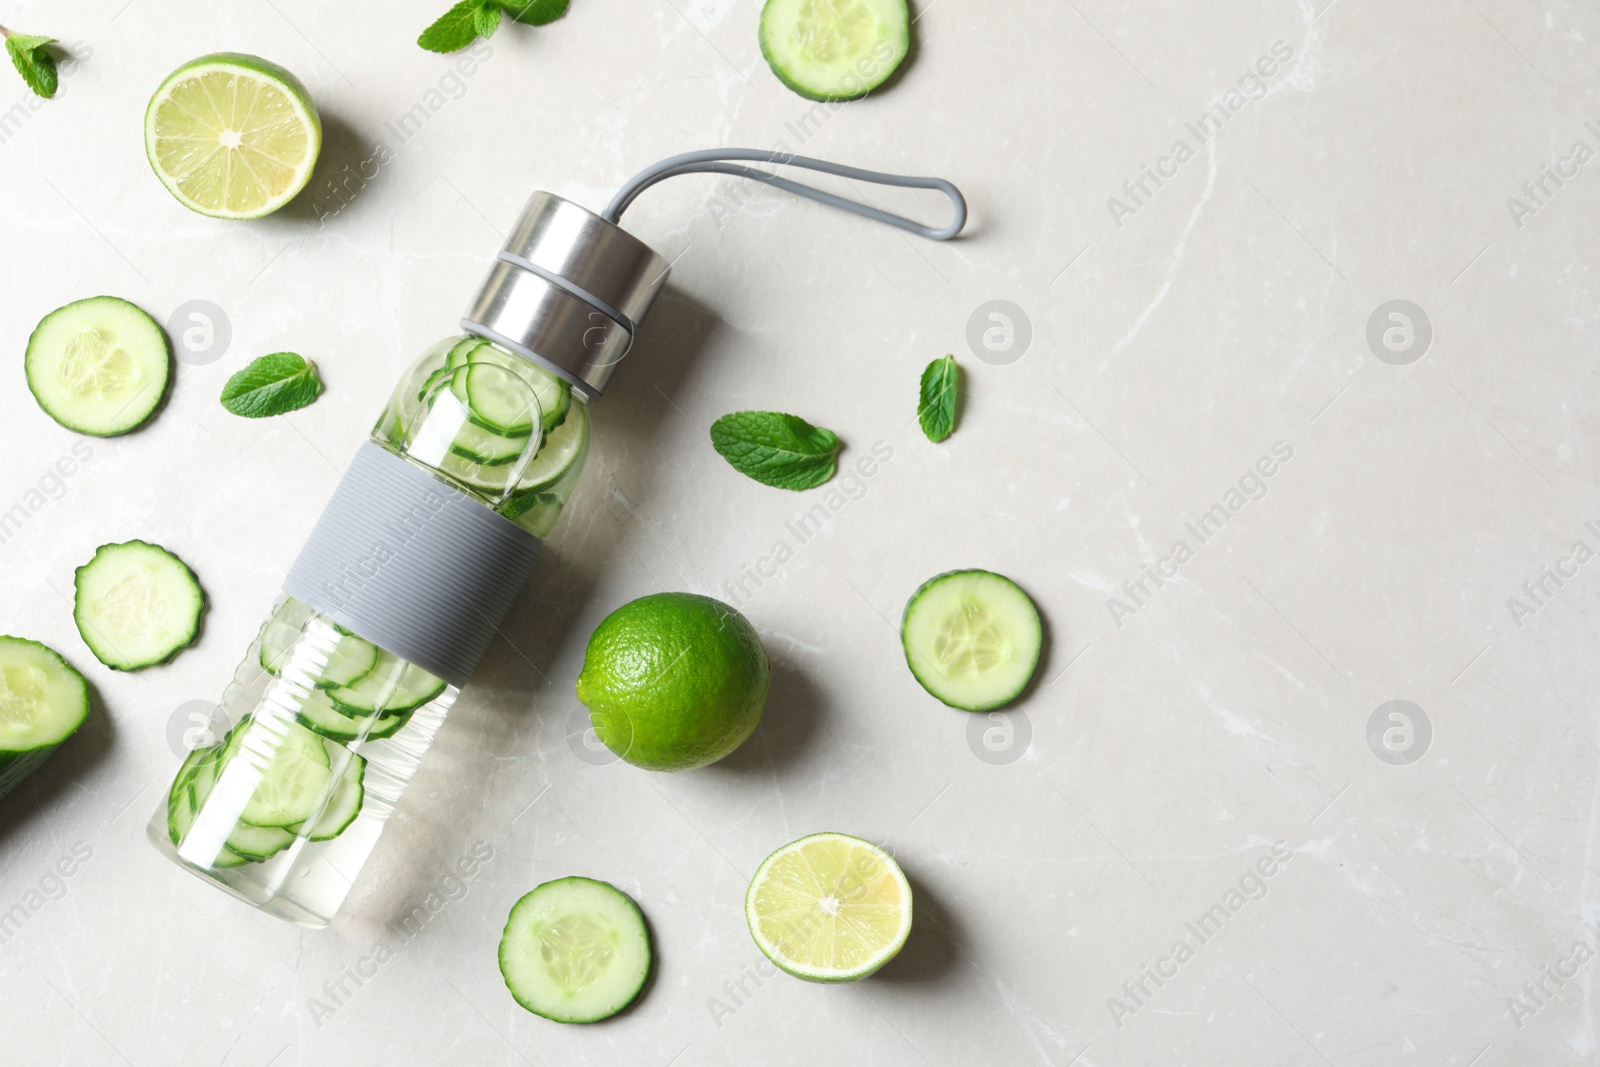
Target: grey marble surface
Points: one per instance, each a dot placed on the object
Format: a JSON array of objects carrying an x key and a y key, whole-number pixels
[{"x": 1199, "y": 743}]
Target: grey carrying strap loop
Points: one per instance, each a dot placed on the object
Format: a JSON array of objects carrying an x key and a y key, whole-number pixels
[{"x": 720, "y": 161}]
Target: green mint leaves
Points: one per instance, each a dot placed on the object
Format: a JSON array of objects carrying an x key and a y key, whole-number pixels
[
  {"x": 776, "y": 449},
  {"x": 272, "y": 385},
  {"x": 535, "y": 12},
  {"x": 33, "y": 61},
  {"x": 941, "y": 390},
  {"x": 471, "y": 19}
]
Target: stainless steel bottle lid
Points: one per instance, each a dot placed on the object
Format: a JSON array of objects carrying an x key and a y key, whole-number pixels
[{"x": 568, "y": 292}]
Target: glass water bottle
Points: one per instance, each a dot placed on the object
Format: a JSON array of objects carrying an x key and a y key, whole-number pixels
[{"x": 408, "y": 573}]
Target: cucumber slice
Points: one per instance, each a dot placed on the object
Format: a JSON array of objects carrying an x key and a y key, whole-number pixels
[
  {"x": 461, "y": 352},
  {"x": 835, "y": 49},
  {"x": 487, "y": 448},
  {"x": 498, "y": 399},
  {"x": 323, "y": 654},
  {"x": 320, "y": 714},
  {"x": 43, "y": 701},
  {"x": 972, "y": 638},
  {"x": 558, "y": 454},
  {"x": 393, "y": 688},
  {"x": 137, "y": 605},
  {"x": 575, "y": 950},
  {"x": 98, "y": 366},
  {"x": 256, "y": 843},
  {"x": 348, "y": 796},
  {"x": 189, "y": 791},
  {"x": 293, "y": 773}
]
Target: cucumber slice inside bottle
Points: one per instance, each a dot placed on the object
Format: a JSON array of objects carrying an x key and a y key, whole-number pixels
[
  {"x": 972, "y": 639},
  {"x": 137, "y": 605},
  {"x": 487, "y": 448},
  {"x": 292, "y": 772},
  {"x": 321, "y": 715},
  {"x": 43, "y": 701},
  {"x": 348, "y": 796},
  {"x": 835, "y": 49},
  {"x": 98, "y": 366},
  {"x": 575, "y": 950},
  {"x": 498, "y": 399},
  {"x": 394, "y": 687},
  {"x": 322, "y": 654},
  {"x": 256, "y": 843}
]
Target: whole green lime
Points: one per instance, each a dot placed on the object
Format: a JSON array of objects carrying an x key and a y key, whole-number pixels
[{"x": 674, "y": 681}]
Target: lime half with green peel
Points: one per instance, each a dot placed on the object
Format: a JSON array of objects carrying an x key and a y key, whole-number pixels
[
  {"x": 829, "y": 908},
  {"x": 674, "y": 681},
  {"x": 232, "y": 136}
]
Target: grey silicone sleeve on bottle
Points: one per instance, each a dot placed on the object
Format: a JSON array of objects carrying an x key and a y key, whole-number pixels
[{"x": 417, "y": 567}]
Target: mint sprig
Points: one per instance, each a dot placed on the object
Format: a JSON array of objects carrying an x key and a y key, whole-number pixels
[
  {"x": 941, "y": 391},
  {"x": 272, "y": 385},
  {"x": 775, "y": 449},
  {"x": 471, "y": 19},
  {"x": 32, "y": 58}
]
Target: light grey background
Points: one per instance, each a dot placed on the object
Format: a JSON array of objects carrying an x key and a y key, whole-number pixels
[{"x": 1164, "y": 756}]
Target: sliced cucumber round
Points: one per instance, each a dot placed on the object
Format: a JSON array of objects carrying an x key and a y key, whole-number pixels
[
  {"x": 43, "y": 701},
  {"x": 575, "y": 950},
  {"x": 497, "y": 399},
  {"x": 322, "y": 654},
  {"x": 256, "y": 843},
  {"x": 972, "y": 638},
  {"x": 137, "y": 605},
  {"x": 293, "y": 773},
  {"x": 320, "y": 714},
  {"x": 487, "y": 448},
  {"x": 835, "y": 49},
  {"x": 394, "y": 687},
  {"x": 348, "y": 794},
  {"x": 99, "y": 366}
]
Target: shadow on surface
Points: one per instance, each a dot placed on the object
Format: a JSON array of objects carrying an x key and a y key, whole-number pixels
[
  {"x": 793, "y": 717},
  {"x": 934, "y": 947}
]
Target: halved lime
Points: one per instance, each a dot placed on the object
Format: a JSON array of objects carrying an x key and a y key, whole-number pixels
[
  {"x": 232, "y": 136},
  {"x": 829, "y": 908}
]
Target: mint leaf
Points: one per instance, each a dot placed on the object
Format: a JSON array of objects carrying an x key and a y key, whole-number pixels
[
  {"x": 34, "y": 62},
  {"x": 776, "y": 449},
  {"x": 272, "y": 385},
  {"x": 941, "y": 389},
  {"x": 487, "y": 20},
  {"x": 455, "y": 29},
  {"x": 534, "y": 12}
]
